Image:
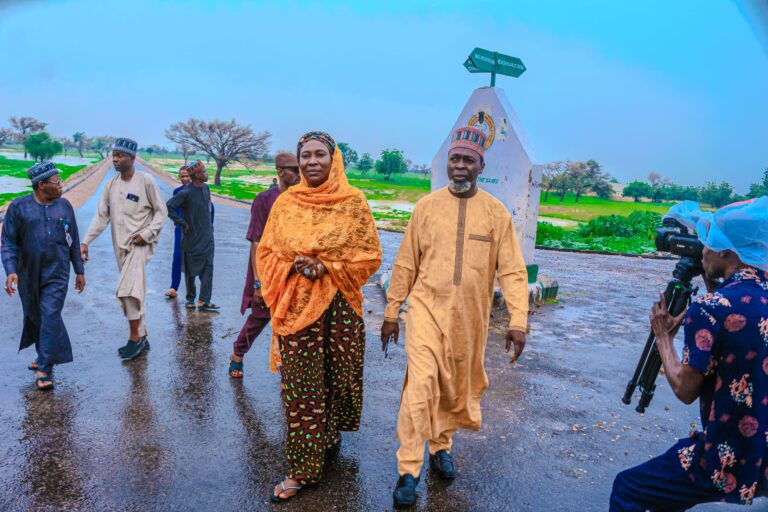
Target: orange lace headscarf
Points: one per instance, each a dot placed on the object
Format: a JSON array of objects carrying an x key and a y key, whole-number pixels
[{"x": 331, "y": 222}]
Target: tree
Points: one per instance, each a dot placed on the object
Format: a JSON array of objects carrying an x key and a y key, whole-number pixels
[
  {"x": 551, "y": 176},
  {"x": 658, "y": 182},
  {"x": 81, "y": 141},
  {"x": 391, "y": 162},
  {"x": 588, "y": 176},
  {"x": 365, "y": 164},
  {"x": 759, "y": 189},
  {"x": 223, "y": 141},
  {"x": 637, "y": 189},
  {"x": 25, "y": 126},
  {"x": 602, "y": 189},
  {"x": 563, "y": 184},
  {"x": 423, "y": 169},
  {"x": 716, "y": 195},
  {"x": 578, "y": 175},
  {"x": 102, "y": 145},
  {"x": 41, "y": 146},
  {"x": 67, "y": 143},
  {"x": 348, "y": 154},
  {"x": 6, "y": 134},
  {"x": 186, "y": 151},
  {"x": 600, "y": 182}
]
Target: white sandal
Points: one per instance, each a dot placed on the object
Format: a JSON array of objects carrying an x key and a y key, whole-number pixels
[{"x": 278, "y": 499}]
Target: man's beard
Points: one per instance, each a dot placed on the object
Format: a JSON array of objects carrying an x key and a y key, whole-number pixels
[{"x": 459, "y": 187}]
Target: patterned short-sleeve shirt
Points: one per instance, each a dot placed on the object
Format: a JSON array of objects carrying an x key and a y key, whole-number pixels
[{"x": 726, "y": 338}]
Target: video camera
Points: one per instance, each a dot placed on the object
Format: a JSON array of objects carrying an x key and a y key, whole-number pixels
[{"x": 673, "y": 238}]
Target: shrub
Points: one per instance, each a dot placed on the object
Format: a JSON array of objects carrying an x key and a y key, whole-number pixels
[
  {"x": 639, "y": 224},
  {"x": 546, "y": 231},
  {"x": 645, "y": 223}
]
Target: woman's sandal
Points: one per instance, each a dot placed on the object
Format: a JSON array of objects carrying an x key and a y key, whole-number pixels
[
  {"x": 33, "y": 366},
  {"x": 285, "y": 488},
  {"x": 170, "y": 294},
  {"x": 47, "y": 382},
  {"x": 235, "y": 369}
]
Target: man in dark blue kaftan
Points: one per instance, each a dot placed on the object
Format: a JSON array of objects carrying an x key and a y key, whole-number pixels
[
  {"x": 176, "y": 262},
  {"x": 39, "y": 242}
]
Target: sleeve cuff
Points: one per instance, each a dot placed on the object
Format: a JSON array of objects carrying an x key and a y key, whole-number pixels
[
  {"x": 392, "y": 313},
  {"x": 147, "y": 236}
]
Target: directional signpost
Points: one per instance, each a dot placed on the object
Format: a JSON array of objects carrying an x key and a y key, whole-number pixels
[{"x": 485, "y": 61}]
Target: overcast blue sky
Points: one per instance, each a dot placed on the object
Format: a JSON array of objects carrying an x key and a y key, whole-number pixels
[{"x": 675, "y": 87}]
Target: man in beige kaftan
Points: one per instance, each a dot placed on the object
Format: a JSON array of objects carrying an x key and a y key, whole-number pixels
[
  {"x": 131, "y": 202},
  {"x": 458, "y": 238}
]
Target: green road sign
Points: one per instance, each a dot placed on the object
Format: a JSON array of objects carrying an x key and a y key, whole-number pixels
[{"x": 484, "y": 61}]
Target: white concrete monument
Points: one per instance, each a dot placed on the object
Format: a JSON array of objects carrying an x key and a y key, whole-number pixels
[{"x": 511, "y": 172}]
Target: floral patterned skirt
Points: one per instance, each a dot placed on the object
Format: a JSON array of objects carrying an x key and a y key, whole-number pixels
[{"x": 322, "y": 372}]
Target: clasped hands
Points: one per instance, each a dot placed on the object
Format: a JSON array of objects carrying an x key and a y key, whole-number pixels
[{"x": 309, "y": 267}]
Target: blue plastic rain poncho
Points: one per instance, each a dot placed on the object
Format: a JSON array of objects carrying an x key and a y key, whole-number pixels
[{"x": 740, "y": 227}]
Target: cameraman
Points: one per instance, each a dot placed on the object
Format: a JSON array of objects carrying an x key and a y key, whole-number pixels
[{"x": 724, "y": 365}]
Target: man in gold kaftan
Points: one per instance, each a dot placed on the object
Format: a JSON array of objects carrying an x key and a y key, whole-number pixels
[{"x": 458, "y": 239}]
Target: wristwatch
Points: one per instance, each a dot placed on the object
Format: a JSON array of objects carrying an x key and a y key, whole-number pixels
[{"x": 257, "y": 285}]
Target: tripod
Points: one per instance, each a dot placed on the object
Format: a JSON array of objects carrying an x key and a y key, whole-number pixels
[{"x": 677, "y": 296}]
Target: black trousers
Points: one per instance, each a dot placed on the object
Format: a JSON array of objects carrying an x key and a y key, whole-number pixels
[{"x": 206, "y": 284}]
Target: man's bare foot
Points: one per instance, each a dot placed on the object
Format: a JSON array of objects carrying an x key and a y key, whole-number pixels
[{"x": 43, "y": 381}]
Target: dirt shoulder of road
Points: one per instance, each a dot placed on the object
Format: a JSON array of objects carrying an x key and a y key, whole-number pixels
[
  {"x": 81, "y": 186},
  {"x": 216, "y": 198}
]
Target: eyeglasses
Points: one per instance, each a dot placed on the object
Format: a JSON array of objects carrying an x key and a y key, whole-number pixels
[
  {"x": 294, "y": 170},
  {"x": 57, "y": 183}
]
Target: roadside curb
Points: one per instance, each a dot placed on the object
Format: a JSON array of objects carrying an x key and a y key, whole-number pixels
[{"x": 608, "y": 253}]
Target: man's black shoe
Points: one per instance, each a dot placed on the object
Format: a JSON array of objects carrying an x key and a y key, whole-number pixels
[
  {"x": 405, "y": 491},
  {"x": 127, "y": 347},
  {"x": 133, "y": 349},
  {"x": 442, "y": 464}
]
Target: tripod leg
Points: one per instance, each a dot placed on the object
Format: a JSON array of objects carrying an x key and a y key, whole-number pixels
[{"x": 641, "y": 365}]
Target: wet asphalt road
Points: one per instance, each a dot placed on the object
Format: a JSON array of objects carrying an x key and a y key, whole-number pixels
[{"x": 172, "y": 431}]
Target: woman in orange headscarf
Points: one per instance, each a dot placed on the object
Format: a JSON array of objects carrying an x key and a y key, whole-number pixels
[{"x": 319, "y": 247}]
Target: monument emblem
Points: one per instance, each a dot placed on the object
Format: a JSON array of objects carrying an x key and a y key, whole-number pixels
[{"x": 484, "y": 123}]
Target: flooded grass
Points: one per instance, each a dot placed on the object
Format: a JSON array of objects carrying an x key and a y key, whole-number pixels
[{"x": 14, "y": 181}]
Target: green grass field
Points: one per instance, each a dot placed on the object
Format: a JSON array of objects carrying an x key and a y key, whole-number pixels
[
  {"x": 18, "y": 169},
  {"x": 589, "y": 208}
]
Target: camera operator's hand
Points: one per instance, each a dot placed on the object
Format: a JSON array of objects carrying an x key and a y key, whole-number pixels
[{"x": 663, "y": 324}]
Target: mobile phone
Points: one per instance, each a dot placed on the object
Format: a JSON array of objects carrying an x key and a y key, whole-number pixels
[{"x": 386, "y": 347}]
